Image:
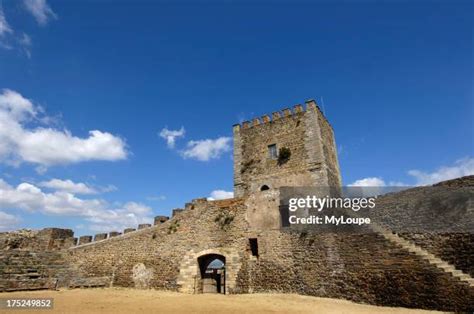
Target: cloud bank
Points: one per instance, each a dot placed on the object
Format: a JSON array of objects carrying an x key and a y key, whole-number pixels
[
  {"x": 462, "y": 167},
  {"x": 101, "y": 215},
  {"x": 47, "y": 146},
  {"x": 75, "y": 188}
]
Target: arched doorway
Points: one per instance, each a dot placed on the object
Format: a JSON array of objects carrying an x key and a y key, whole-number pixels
[{"x": 212, "y": 270}]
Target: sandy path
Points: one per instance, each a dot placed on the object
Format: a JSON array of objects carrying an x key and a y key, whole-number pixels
[{"x": 119, "y": 301}]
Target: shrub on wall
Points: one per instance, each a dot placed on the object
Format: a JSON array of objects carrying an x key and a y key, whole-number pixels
[
  {"x": 173, "y": 227},
  {"x": 284, "y": 155},
  {"x": 224, "y": 219}
]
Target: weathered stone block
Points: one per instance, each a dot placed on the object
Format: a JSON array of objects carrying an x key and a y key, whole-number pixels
[
  {"x": 85, "y": 239},
  {"x": 100, "y": 236},
  {"x": 177, "y": 211}
]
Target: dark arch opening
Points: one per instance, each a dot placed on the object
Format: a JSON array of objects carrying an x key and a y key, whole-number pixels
[
  {"x": 264, "y": 188},
  {"x": 212, "y": 268}
]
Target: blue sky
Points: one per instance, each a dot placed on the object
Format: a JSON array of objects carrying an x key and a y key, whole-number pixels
[{"x": 396, "y": 79}]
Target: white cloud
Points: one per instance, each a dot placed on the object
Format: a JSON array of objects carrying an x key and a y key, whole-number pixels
[
  {"x": 220, "y": 194},
  {"x": 16, "y": 106},
  {"x": 171, "y": 135},
  {"x": 108, "y": 188},
  {"x": 367, "y": 182},
  {"x": 25, "y": 44},
  {"x": 40, "y": 10},
  {"x": 25, "y": 39},
  {"x": 10, "y": 39},
  {"x": 69, "y": 186},
  {"x": 48, "y": 146},
  {"x": 7, "y": 221},
  {"x": 462, "y": 167},
  {"x": 101, "y": 215},
  {"x": 4, "y": 27},
  {"x": 205, "y": 150},
  {"x": 118, "y": 218},
  {"x": 370, "y": 186}
]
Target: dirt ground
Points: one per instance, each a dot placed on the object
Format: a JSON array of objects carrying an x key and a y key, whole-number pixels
[{"x": 117, "y": 301}]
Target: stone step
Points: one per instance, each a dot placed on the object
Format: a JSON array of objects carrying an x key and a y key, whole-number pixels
[
  {"x": 422, "y": 253},
  {"x": 463, "y": 276}
]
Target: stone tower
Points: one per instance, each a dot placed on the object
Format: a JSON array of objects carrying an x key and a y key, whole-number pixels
[{"x": 308, "y": 137}]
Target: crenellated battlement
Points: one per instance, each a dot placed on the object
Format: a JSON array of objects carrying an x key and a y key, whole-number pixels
[
  {"x": 311, "y": 106},
  {"x": 87, "y": 239}
]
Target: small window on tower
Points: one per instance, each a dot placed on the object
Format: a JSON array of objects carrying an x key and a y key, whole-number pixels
[{"x": 272, "y": 151}]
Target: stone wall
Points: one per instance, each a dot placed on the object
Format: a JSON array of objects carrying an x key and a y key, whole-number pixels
[
  {"x": 454, "y": 248},
  {"x": 164, "y": 248},
  {"x": 362, "y": 267},
  {"x": 439, "y": 219}
]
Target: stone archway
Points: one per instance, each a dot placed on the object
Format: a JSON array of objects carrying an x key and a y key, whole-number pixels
[
  {"x": 190, "y": 275},
  {"x": 212, "y": 270}
]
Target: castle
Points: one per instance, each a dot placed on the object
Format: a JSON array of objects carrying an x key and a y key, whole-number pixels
[{"x": 238, "y": 246}]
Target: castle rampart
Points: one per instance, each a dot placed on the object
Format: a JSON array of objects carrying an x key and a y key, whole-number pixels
[{"x": 244, "y": 234}]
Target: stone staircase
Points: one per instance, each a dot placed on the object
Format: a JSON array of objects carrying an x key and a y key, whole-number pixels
[
  {"x": 29, "y": 270},
  {"x": 25, "y": 270},
  {"x": 424, "y": 254}
]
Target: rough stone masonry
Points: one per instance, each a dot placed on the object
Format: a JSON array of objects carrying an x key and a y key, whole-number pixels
[{"x": 237, "y": 245}]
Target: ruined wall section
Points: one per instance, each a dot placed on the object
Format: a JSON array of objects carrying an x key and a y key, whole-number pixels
[
  {"x": 48, "y": 239},
  {"x": 30, "y": 270},
  {"x": 34, "y": 259}
]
